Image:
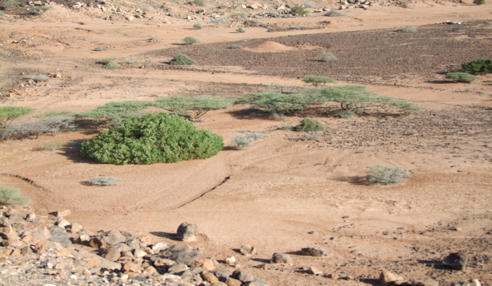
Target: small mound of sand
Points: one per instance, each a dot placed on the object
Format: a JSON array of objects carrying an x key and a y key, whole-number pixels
[{"x": 270, "y": 47}]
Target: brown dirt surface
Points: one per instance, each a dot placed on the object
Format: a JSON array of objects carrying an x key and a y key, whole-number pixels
[{"x": 290, "y": 190}]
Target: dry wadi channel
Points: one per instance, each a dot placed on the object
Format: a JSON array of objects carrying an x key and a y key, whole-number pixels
[{"x": 285, "y": 192}]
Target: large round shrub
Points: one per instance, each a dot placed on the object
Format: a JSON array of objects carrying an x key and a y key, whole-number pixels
[{"x": 153, "y": 138}]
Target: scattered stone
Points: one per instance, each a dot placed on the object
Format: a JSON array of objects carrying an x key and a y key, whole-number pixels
[
  {"x": 159, "y": 246},
  {"x": 317, "y": 252},
  {"x": 424, "y": 282},
  {"x": 75, "y": 227},
  {"x": 188, "y": 232},
  {"x": 243, "y": 275},
  {"x": 387, "y": 278},
  {"x": 231, "y": 260},
  {"x": 59, "y": 234},
  {"x": 247, "y": 250},
  {"x": 209, "y": 277},
  {"x": 281, "y": 258},
  {"x": 63, "y": 213},
  {"x": 113, "y": 254},
  {"x": 314, "y": 271},
  {"x": 257, "y": 282},
  {"x": 456, "y": 260},
  {"x": 222, "y": 275},
  {"x": 333, "y": 276},
  {"x": 178, "y": 268},
  {"x": 233, "y": 282}
]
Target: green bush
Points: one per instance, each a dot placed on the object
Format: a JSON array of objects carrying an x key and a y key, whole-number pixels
[
  {"x": 240, "y": 30},
  {"x": 191, "y": 40},
  {"x": 235, "y": 47},
  {"x": 477, "y": 67},
  {"x": 318, "y": 80},
  {"x": 461, "y": 77},
  {"x": 200, "y": 3},
  {"x": 284, "y": 104},
  {"x": 345, "y": 113},
  {"x": 9, "y": 113},
  {"x": 197, "y": 26},
  {"x": 309, "y": 125},
  {"x": 9, "y": 5},
  {"x": 386, "y": 174},
  {"x": 299, "y": 10},
  {"x": 334, "y": 14},
  {"x": 239, "y": 16},
  {"x": 181, "y": 60},
  {"x": 115, "y": 112},
  {"x": 153, "y": 138},
  {"x": 98, "y": 49},
  {"x": 103, "y": 181},
  {"x": 112, "y": 66},
  {"x": 12, "y": 196},
  {"x": 479, "y": 2},
  {"x": 200, "y": 105}
]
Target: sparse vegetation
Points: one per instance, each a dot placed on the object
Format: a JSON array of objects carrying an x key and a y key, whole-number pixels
[
  {"x": 318, "y": 80},
  {"x": 153, "y": 138},
  {"x": 328, "y": 57},
  {"x": 220, "y": 20},
  {"x": 334, "y": 14},
  {"x": 51, "y": 145},
  {"x": 407, "y": 29},
  {"x": 36, "y": 127},
  {"x": 103, "y": 181},
  {"x": 386, "y": 174},
  {"x": 12, "y": 196},
  {"x": 240, "y": 30},
  {"x": 287, "y": 127},
  {"x": 181, "y": 60},
  {"x": 478, "y": 67},
  {"x": 98, "y": 49},
  {"x": 479, "y": 2},
  {"x": 190, "y": 40},
  {"x": 345, "y": 113},
  {"x": 241, "y": 141},
  {"x": 239, "y": 16},
  {"x": 42, "y": 8},
  {"x": 197, "y": 26},
  {"x": 200, "y": 3},
  {"x": 299, "y": 10},
  {"x": 309, "y": 125},
  {"x": 181, "y": 105},
  {"x": 308, "y": 4},
  {"x": 112, "y": 66},
  {"x": 461, "y": 77},
  {"x": 9, "y": 5},
  {"x": 10, "y": 113},
  {"x": 235, "y": 47}
]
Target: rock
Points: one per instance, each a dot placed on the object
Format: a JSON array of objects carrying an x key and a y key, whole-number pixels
[
  {"x": 188, "y": 232},
  {"x": 159, "y": 246},
  {"x": 130, "y": 267},
  {"x": 333, "y": 276},
  {"x": 247, "y": 250},
  {"x": 63, "y": 213},
  {"x": 476, "y": 282},
  {"x": 113, "y": 254},
  {"x": 281, "y": 258},
  {"x": 243, "y": 275},
  {"x": 187, "y": 275},
  {"x": 424, "y": 282},
  {"x": 317, "y": 252},
  {"x": 223, "y": 275},
  {"x": 149, "y": 271},
  {"x": 62, "y": 223},
  {"x": 386, "y": 278},
  {"x": 146, "y": 239},
  {"x": 209, "y": 277},
  {"x": 231, "y": 260},
  {"x": 233, "y": 282},
  {"x": 6, "y": 251},
  {"x": 30, "y": 217},
  {"x": 113, "y": 237},
  {"x": 16, "y": 217},
  {"x": 456, "y": 260},
  {"x": 178, "y": 268},
  {"x": 75, "y": 227},
  {"x": 315, "y": 271},
  {"x": 164, "y": 262},
  {"x": 208, "y": 265},
  {"x": 59, "y": 234},
  {"x": 139, "y": 253}
]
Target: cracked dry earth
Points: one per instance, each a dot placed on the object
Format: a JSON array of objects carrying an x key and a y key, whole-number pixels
[{"x": 287, "y": 191}]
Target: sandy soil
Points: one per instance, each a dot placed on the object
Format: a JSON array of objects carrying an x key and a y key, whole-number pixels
[{"x": 285, "y": 192}]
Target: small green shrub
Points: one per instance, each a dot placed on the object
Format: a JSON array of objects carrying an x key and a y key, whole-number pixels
[
  {"x": 106, "y": 61},
  {"x": 477, "y": 67},
  {"x": 200, "y": 105},
  {"x": 241, "y": 141},
  {"x": 98, "y": 49},
  {"x": 197, "y": 26},
  {"x": 311, "y": 136},
  {"x": 309, "y": 125},
  {"x": 328, "y": 57},
  {"x": 10, "y": 113},
  {"x": 103, "y": 181},
  {"x": 345, "y": 113},
  {"x": 1, "y": 14},
  {"x": 190, "y": 40},
  {"x": 153, "y": 138},
  {"x": 461, "y": 77},
  {"x": 42, "y": 8},
  {"x": 112, "y": 66},
  {"x": 200, "y": 3},
  {"x": 181, "y": 60},
  {"x": 318, "y": 80},
  {"x": 12, "y": 196},
  {"x": 238, "y": 16},
  {"x": 386, "y": 174},
  {"x": 9, "y": 5},
  {"x": 235, "y": 47},
  {"x": 299, "y": 10},
  {"x": 407, "y": 29},
  {"x": 240, "y": 30},
  {"x": 479, "y": 2}
]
